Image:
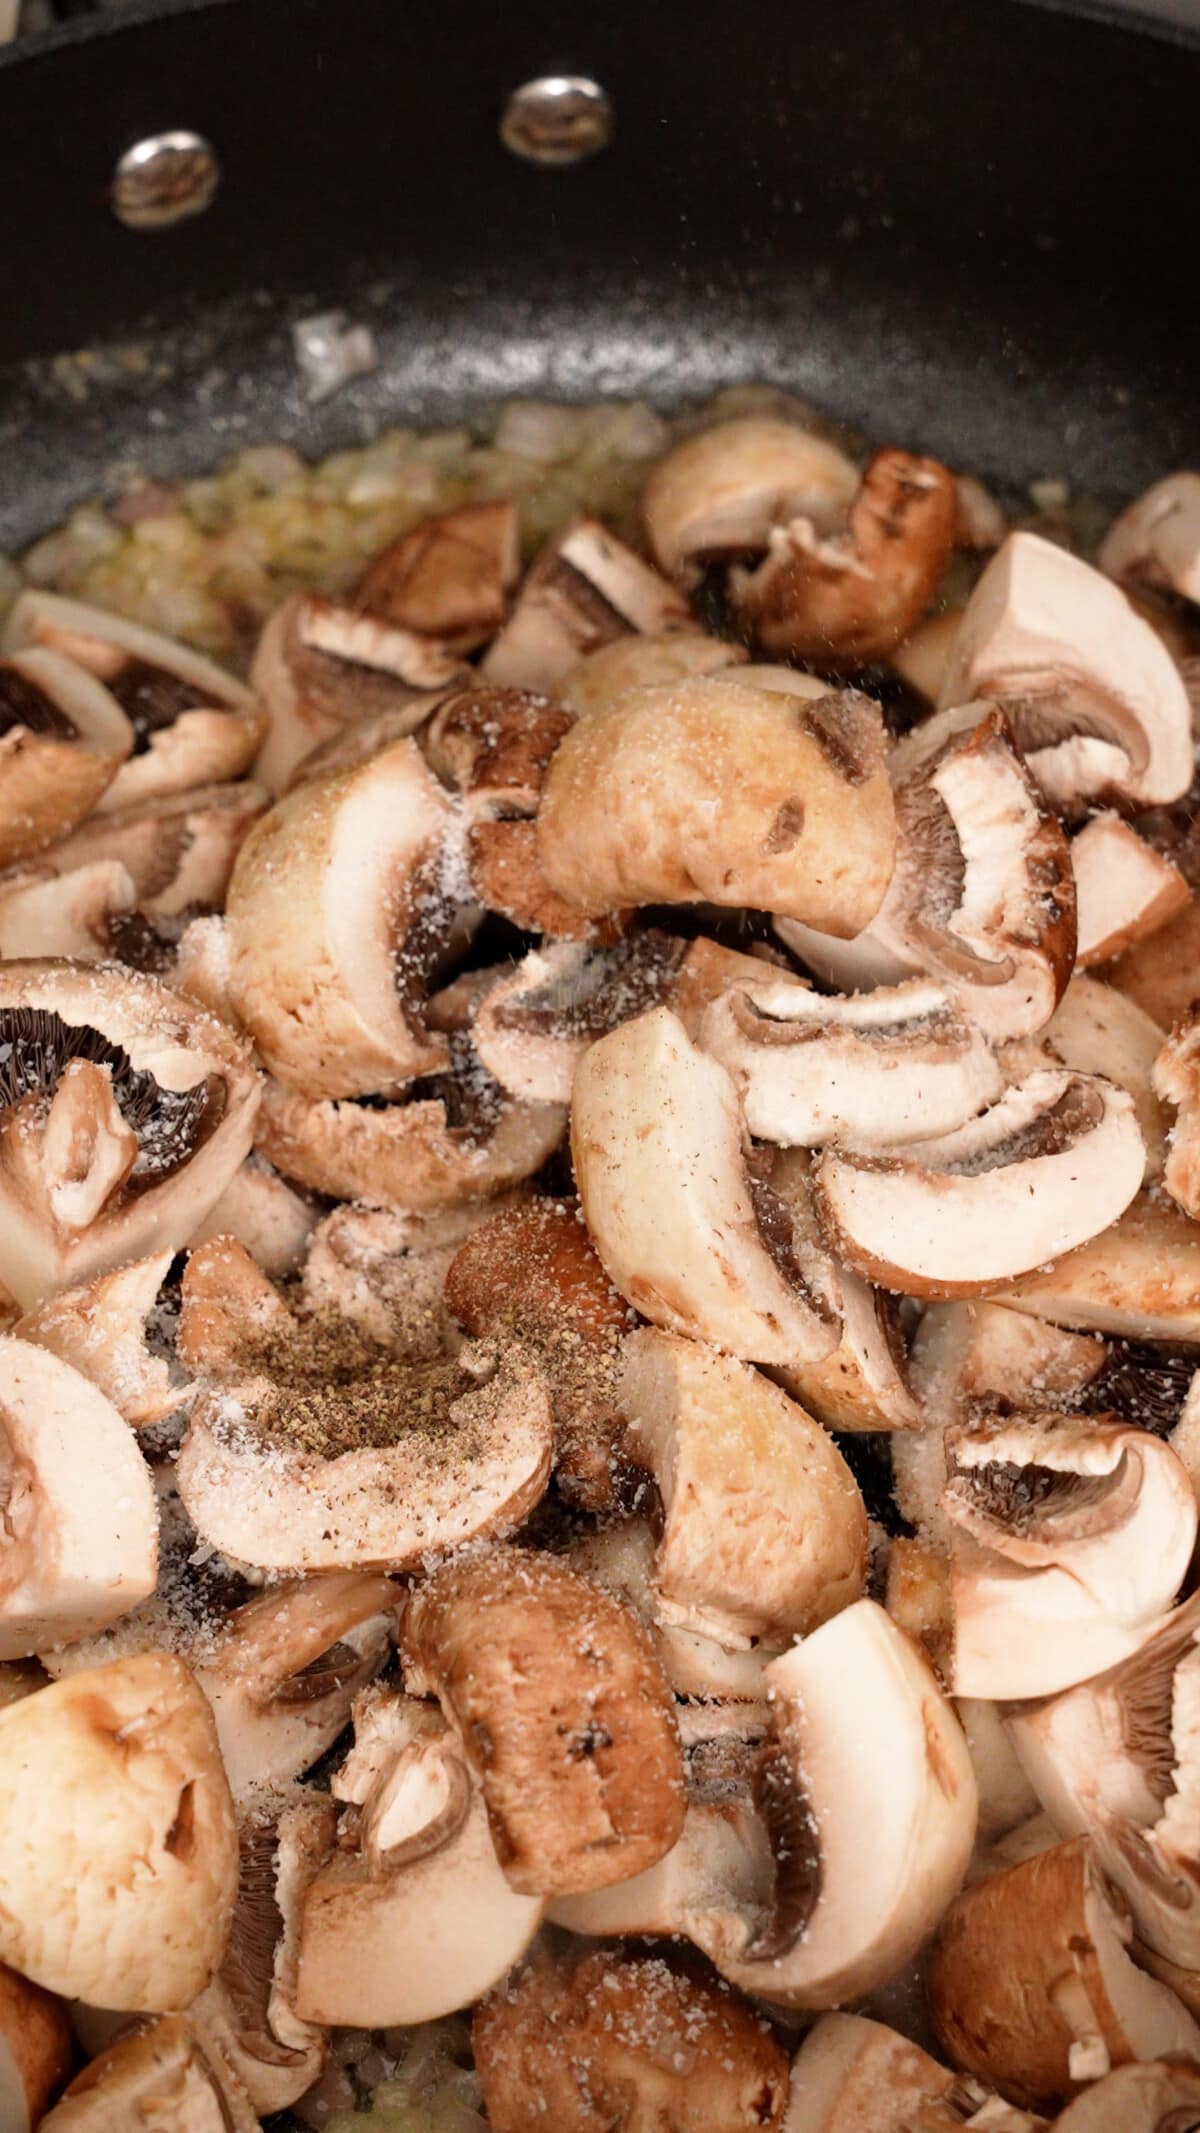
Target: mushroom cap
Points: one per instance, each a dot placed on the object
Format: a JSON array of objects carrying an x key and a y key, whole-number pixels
[
  {"x": 720, "y": 493},
  {"x": 616, "y": 2042},
  {"x": 177, "y": 848},
  {"x": 1124, "y": 888},
  {"x": 35, "y": 2051},
  {"x": 1162, "y": 2096},
  {"x": 656, "y": 1139},
  {"x": 170, "y": 2074},
  {"x": 118, "y": 1844},
  {"x": 638, "y": 662},
  {"x": 100, "y": 1330},
  {"x": 554, "y": 1688},
  {"x": 585, "y": 589},
  {"x": 707, "y": 790},
  {"x": 1156, "y": 540},
  {"x": 1056, "y": 1160},
  {"x": 449, "y": 576},
  {"x": 64, "y": 740},
  {"x": 1139, "y": 1278}
]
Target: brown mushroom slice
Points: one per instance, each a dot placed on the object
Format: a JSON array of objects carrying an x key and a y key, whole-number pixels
[
  {"x": 637, "y": 662},
  {"x": 881, "y": 1068},
  {"x": 412, "y": 1917},
  {"x": 721, "y": 493},
  {"x": 1139, "y": 1278},
  {"x": 63, "y": 739},
  {"x": 848, "y": 598},
  {"x": 192, "y": 722},
  {"x": 554, "y": 1689},
  {"x": 1156, "y": 540},
  {"x": 171, "y": 2075},
  {"x": 1070, "y": 1540},
  {"x": 599, "y": 2041},
  {"x": 764, "y": 1532},
  {"x": 1096, "y": 1030},
  {"x": 684, "y": 1230},
  {"x": 101, "y": 1329},
  {"x": 1124, "y": 889},
  {"x": 265, "y": 1214},
  {"x": 1031, "y": 1987},
  {"x": 852, "y": 1700},
  {"x": 118, "y": 1845},
  {"x": 854, "y": 2075},
  {"x": 1095, "y": 701},
  {"x": 177, "y": 848},
  {"x": 35, "y": 2052},
  {"x": 282, "y": 1672},
  {"x": 1177, "y": 1081},
  {"x": 448, "y": 577},
  {"x": 706, "y": 790},
  {"x": 1053, "y": 1162},
  {"x": 124, "y": 1111},
  {"x": 337, "y": 913},
  {"x": 1160, "y": 2097},
  {"x": 585, "y": 589},
  {"x": 70, "y": 915},
  {"x": 620, "y": 1556}
]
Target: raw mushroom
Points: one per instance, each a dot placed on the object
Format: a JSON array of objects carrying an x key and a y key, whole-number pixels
[
  {"x": 621, "y": 2042},
  {"x": 412, "y": 1917},
  {"x": 764, "y": 1533},
  {"x": 1159, "y": 974},
  {"x": 266, "y": 1215},
  {"x": 921, "y": 661},
  {"x": 178, "y": 849},
  {"x": 684, "y": 1230},
  {"x": 620, "y": 1556},
  {"x": 1070, "y": 1540},
  {"x": 386, "y": 1270},
  {"x": 1006, "y": 1797},
  {"x": 1177, "y": 1081},
  {"x": 981, "y": 521},
  {"x": 1124, "y": 889},
  {"x": 721, "y": 493},
  {"x": 101, "y": 1330},
  {"x": 62, "y": 740},
  {"x": 1031, "y": 1987},
  {"x": 707, "y": 790},
  {"x": 848, "y": 598},
  {"x": 852, "y": 2075},
  {"x": 76, "y": 914},
  {"x": 1156, "y": 541},
  {"x": 1139, "y": 1278},
  {"x": 35, "y": 2052},
  {"x": 1096, "y": 1030},
  {"x": 1094, "y": 699},
  {"x": 118, "y": 1844},
  {"x": 124, "y": 1112},
  {"x": 585, "y": 589},
  {"x": 171, "y": 2076},
  {"x": 1053, "y": 1162},
  {"x": 564, "y": 1716},
  {"x": 1161, "y": 2097},
  {"x": 637, "y": 662},
  {"x": 448, "y": 577},
  {"x": 192, "y": 723}
]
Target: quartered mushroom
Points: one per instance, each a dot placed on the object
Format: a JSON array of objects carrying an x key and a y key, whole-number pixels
[
  {"x": 686, "y": 1232},
  {"x": 171, "y": 2074},
  {"x": 103, "y": 1330},
  {"x": 764, "y": 1532},
  {"x": 1177, "y": 1081},
  {"x": 585, "y": 589},
  {"x": 386, "y": 1271},
  {"x": 1140, "y": 1277},
  {"x": 1056, "y": 1160},
  {"x": 63, "y": 739},
  {"x": 1124, "y": 889},
  {"x": 448, "y": 577},
  {"x": 553, "y": 1687},
  {"x": 721, "y": 494},
  {"x": 853, "y": 2075},
  {"x": 1094, "y": 699},
  {"x": 1096, "y": 1030},
  {"x": 981, "y": 522},
  {"x": 1158, "y": 973},
  {"x": 35, "y": 2052},
  {"x": 178, "y": 849},
  {"x": 77, "y": 914},
  {"x": 1156, "y": 541},
  {"x": 192, "y": 723},
  {"x": 708, "y": 790},
  {"x": 1031, "y": 1986},
  {"x": 923, "y": 657},
  {"x": 639, "y": 662},
  {"x": 1161, "y": 2097},
  {"x": 118, "y": 1844},
  {"x": 1006, "y": 1797},
  {"x": 267, "y": 1215},
  {"x": 600, "y": 2041},
  {"x": 1071, "y": 1538},
  {"x": 412, "y": 1916},
  {"x": 619, "y": 1554}
]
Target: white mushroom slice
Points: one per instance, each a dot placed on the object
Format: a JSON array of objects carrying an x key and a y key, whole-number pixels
[
  {"x": 101, "y": 1330},
  {"x": 1096, "y": 702},
  {"x": 412, "y": 1917},
  {"x": 118, "y": 1845},
  {"x": 1031, "y": 1987},
  {"x": 1054, "y": 1162},
  {"x": 1177, "y": 1081},
  {"x": 639, "y": 662},
  {"x": 193, "y": 723},
  {"x": 265, "y": 1214},
  {"x": 684, "y": 1231},
  {"x": 62, "y": 740},
  {"x": 705, "y": 790},
  {"x": 124, "y": 1111},
  {"x": 448, "y": 577},
  {"x": 599, "y": 2041},
  {"x": 200, "y": 967},
  {"x": 1158, "y": 974},
  {"x": 1070, "y": 1540},
  {"x": 35, "y": 2052},
  {"x": 921, "y": 661},
  {"x": 1139, "y": 1278},
  {"x": 79, "y": 1540},
  {"x": 1156, "y": 541},
  {"x": 1096, "y": 1030},
  {"x": 1124, "y": 889},
  {"x": 882, "y": 1068},
  {"x": 585, "y": 589},
  {"x": 172, "y": 2075},
  {"x": 620, "y": 1556},
  {"x": 1161, "y": 2097},
  {"x": 336, "y": 915},
  {"x": 772, "y": 1554},
  {"x": 854, "y": 1699},
  {"x": 554, "y": 1689},
  {"x": 852, "y": 2075},
  {"x": 722, "y": 492},
  {"x": 45, "y": 914},
  {"x": 178, "y": 849},
  {"x": 1007, "y": 1799},
  {"x": 981, "y": 522}
]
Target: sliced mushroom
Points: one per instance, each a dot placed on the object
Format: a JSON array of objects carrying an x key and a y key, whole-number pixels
[
  {"x": 862, "y": 1739},
  {"x": 917, "y": 1597},
  {"x": 192, "y": 723},
  {"x": 685, "y": 1232},
  {"x": 881, "y": 1069},
  {"x": 1139, "y": 1278},
  {"x": 638, "y": 662},
  {"x": 171, "y": 2075},
  {"x": 494, "y": 745},
  {"x": 852, "y": 2075},
  {"x": 1070, "y": 1540},
  {"x": 585, "y": 589},
  {"x": 1031, "y": 1987},
  {"x": 1095, "y": 701},
  {"x": 124, "y": 1112},
  {"x": 448, "y": 577},
  {"x": 981, "y": 522},
  {"x": 1177, "y": 1081},
  {"x": 1007, "y": 1799},
  {"x": 1159, "y": 974},
  {"x": 178, "y": 848},
  {"x": 42, "y": 913},
  {"x": 614, "y": 2042},
  {"x": 1124, "y": 889},
  {"x": 266, "y": 1215},
  {"x": 1156, "y": 541},
  {"x": 1054, "y": 1162},
  {"x": 709, "y": 790},
  {"x": 848, "y": 598},
  {"x": 922, "y": 659},
  {"x": 1161, "y": 2097},
  {"x": 563, "y": 1712},
  {"x": 118, "y": 1845},
  {"x": 764, "y": 1531},
  {"x": 35, "y": 2052},
  {"x": 1096, "y": 1030},
  {"x": 386, "y": 1271},
  {"x": 721, "y": 493},
  {"x": 620, "y": 1556},
  {"x": 63, "y": 741},
  {"x": 412, "y": 1917},
  {"x": 1184, "y": 1436},
  {"x": 101, "y": 1330}
]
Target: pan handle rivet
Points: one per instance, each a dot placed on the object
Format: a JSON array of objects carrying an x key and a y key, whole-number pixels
[
  {"x": 163, "y": 179},
  {"x": 557, "y": 119}
]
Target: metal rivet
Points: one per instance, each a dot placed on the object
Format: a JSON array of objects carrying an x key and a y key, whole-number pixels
[
  {"x": 165, "y": 178},
  {"x": 557, "y": 119}
]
